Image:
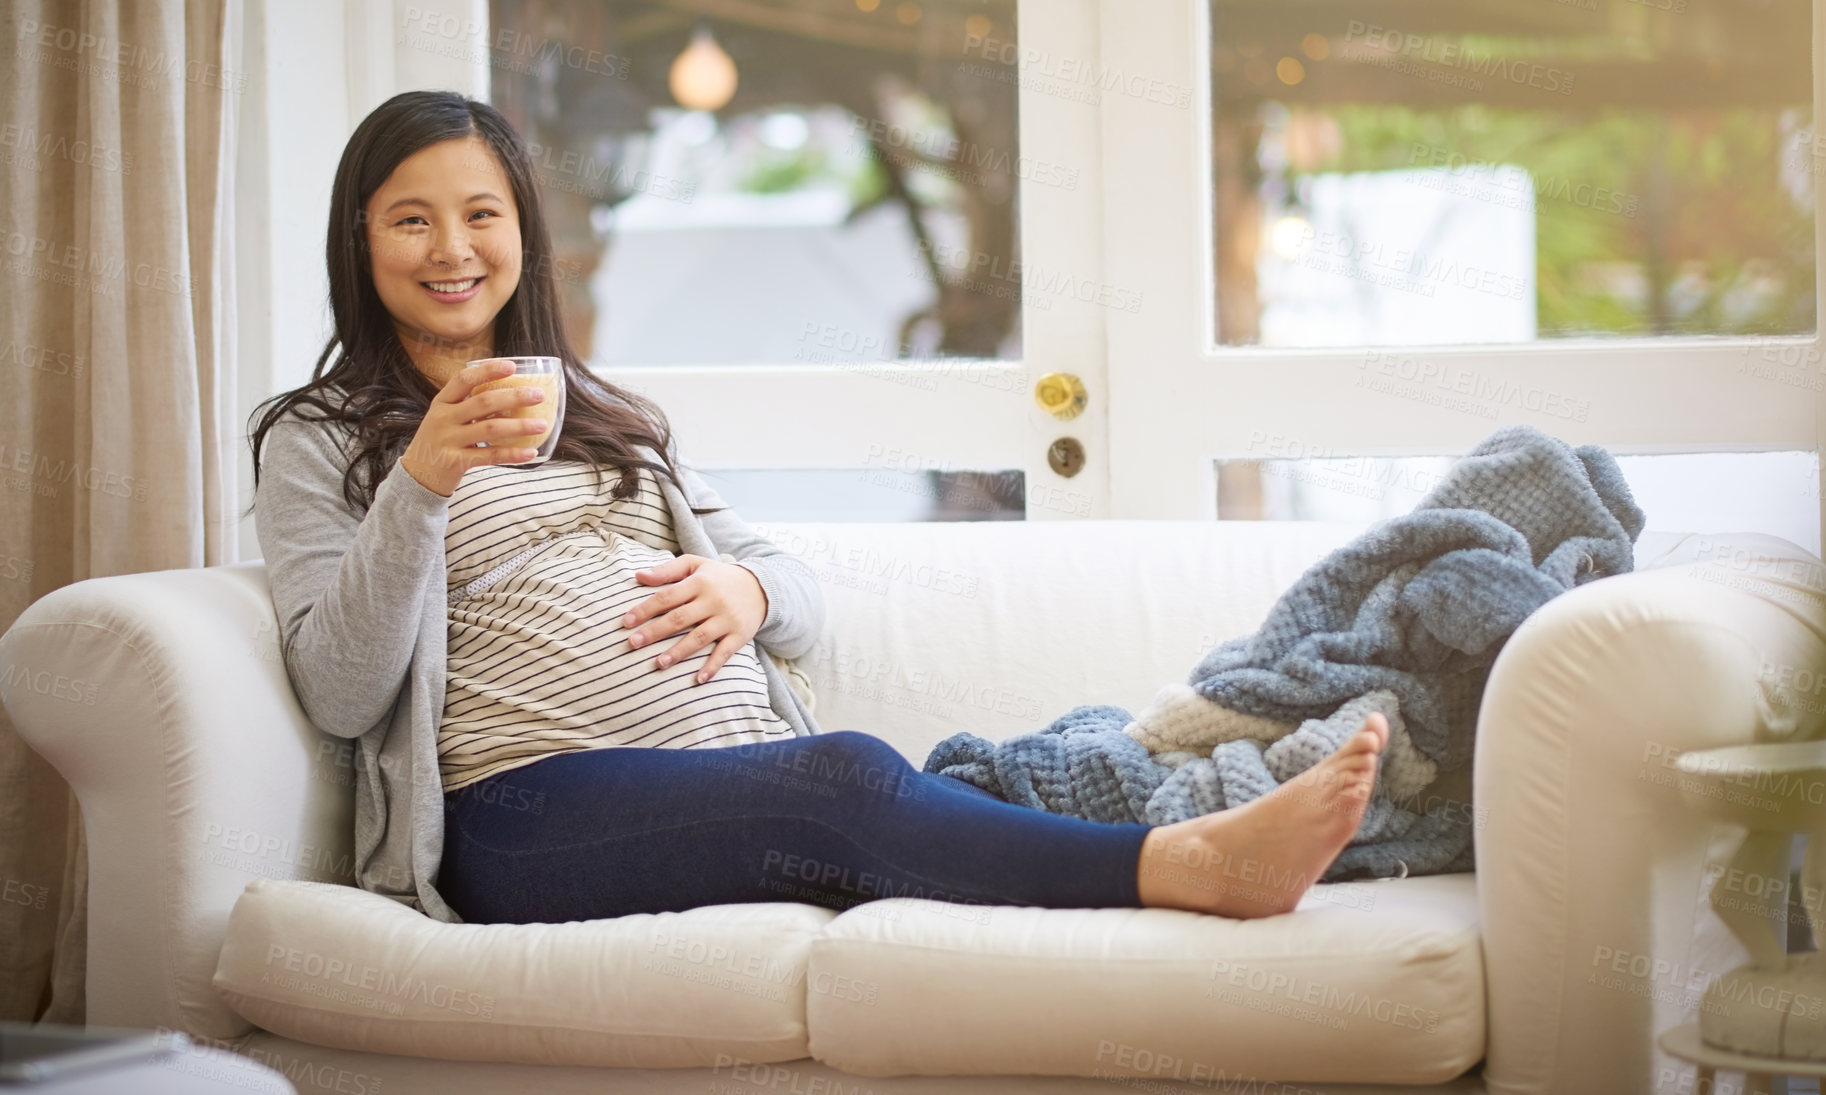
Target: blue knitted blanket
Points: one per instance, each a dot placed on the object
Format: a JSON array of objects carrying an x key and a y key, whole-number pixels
[{"x": 1406, "y": 619}]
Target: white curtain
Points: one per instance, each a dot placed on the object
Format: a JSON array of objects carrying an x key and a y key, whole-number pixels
[{"x": 119, "y": 447}]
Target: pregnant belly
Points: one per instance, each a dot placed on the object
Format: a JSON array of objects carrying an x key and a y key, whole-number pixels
[{"x": 539, "y": 660}]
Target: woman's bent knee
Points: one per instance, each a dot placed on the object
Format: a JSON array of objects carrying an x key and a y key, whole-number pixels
[
  {"x": 845, "y": 759},
  {"x": 861, "y": 750}
]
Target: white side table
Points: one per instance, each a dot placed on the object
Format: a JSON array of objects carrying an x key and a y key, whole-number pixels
[
  {"x": 1684, "y": 1042},
  {"x": 1774, "y": 791}
]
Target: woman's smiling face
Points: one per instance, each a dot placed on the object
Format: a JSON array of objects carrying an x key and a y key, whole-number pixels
[{"x": 444, "y": 237}]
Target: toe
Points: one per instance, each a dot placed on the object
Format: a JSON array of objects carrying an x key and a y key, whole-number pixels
[{"x": 1364, "y": 743}]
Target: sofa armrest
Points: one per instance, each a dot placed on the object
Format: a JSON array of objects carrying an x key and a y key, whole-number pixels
[
  {"x": 162, "y": 699},
  {"x": 1592, "y": 874}
]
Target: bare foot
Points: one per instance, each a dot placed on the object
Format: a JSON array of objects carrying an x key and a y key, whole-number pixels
[{"x": 1257, "y": 859}]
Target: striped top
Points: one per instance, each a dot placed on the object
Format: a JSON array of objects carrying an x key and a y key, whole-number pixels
[{"x": 541, "y": 565}]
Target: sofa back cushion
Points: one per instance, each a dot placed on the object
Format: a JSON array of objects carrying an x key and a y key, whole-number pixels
[{"x": 997, "y": 628}]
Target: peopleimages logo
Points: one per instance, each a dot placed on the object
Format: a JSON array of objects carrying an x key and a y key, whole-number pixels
[
  {"x": 24, "y": 893},
  {"x": 60, "y": 472},
  {"x": 469, "y": 40},
  {"x": 34, "y": 143},
  {"x": 1073, "y": 72},
  {"x": 1376, "y": 44},
  {"x": 1331, "y": 1001},
  {"x": 984, "y": 271},
  {"x": 15, "y": 678},
  {"x": 1513, "y": 186},
  {"x": 1420, "y": 269},
  {"x": 118, "y": 61},
  {"x": 43, "y": 359},
  {"x": 569, "y": 170},
  {"x": 386, "y": 986},
  {"x": 1489, "y": 391},
  {"x": 963, "y": 160}
]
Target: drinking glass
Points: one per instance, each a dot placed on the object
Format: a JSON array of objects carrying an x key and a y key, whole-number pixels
[{"x": 538, "y": 372}]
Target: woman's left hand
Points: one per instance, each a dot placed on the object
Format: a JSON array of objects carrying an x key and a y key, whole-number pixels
[{"x": 721, "y": 604}]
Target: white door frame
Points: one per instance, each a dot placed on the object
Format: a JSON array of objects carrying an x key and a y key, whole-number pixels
[{"x": 950, "y": 415}]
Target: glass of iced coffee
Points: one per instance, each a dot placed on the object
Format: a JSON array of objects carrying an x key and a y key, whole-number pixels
[{"x": 540, "y": 372}]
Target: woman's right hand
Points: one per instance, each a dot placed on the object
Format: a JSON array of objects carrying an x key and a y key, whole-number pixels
[{"x": 445, "y": 445}]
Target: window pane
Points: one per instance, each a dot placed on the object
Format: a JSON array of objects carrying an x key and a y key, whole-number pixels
[
  {"x": 774, "y": 181},
  {"x": 1469, "y": 171},
  {"x": 1717, "y": 492}
]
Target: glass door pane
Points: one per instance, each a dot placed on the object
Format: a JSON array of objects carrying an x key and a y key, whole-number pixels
[
  {"x": 772, "y": 184},
  {"x": 1393, "y": 172}
]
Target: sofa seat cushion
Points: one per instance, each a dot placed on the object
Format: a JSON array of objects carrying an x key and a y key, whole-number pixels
[
  {"x": 1373, "y": 982},
  {"x": 337, "y": 966}
]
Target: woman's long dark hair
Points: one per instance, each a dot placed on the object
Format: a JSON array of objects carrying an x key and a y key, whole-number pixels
[{"x": 383, "y": 395}]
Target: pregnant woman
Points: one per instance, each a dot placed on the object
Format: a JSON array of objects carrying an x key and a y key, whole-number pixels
[{"x": 563, "y": 678}]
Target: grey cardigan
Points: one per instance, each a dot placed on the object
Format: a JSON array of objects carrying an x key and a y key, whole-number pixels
[{"x": 362, "y": 610}]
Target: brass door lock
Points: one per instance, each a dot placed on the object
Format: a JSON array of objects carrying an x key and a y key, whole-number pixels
[
  {"x": 1065, "y": 456},
  {"x": 1061, "y": 395}
]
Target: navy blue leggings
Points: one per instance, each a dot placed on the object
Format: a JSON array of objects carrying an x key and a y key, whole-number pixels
[{"x": 834, "y": 819}]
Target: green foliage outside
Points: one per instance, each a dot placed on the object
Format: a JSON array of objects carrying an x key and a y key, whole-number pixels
[
  {"x": 1697, "y": 210},
  {"x": 780, "y": 172}
]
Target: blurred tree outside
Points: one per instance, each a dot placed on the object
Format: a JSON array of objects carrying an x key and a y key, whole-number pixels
[{"x": 936, "y": 137}]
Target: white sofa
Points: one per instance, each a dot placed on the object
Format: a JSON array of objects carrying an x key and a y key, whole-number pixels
[{"x": 1583, "y": 933}]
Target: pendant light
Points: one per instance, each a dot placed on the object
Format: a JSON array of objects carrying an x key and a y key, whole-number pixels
[{"x": 703, "y": 76}]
